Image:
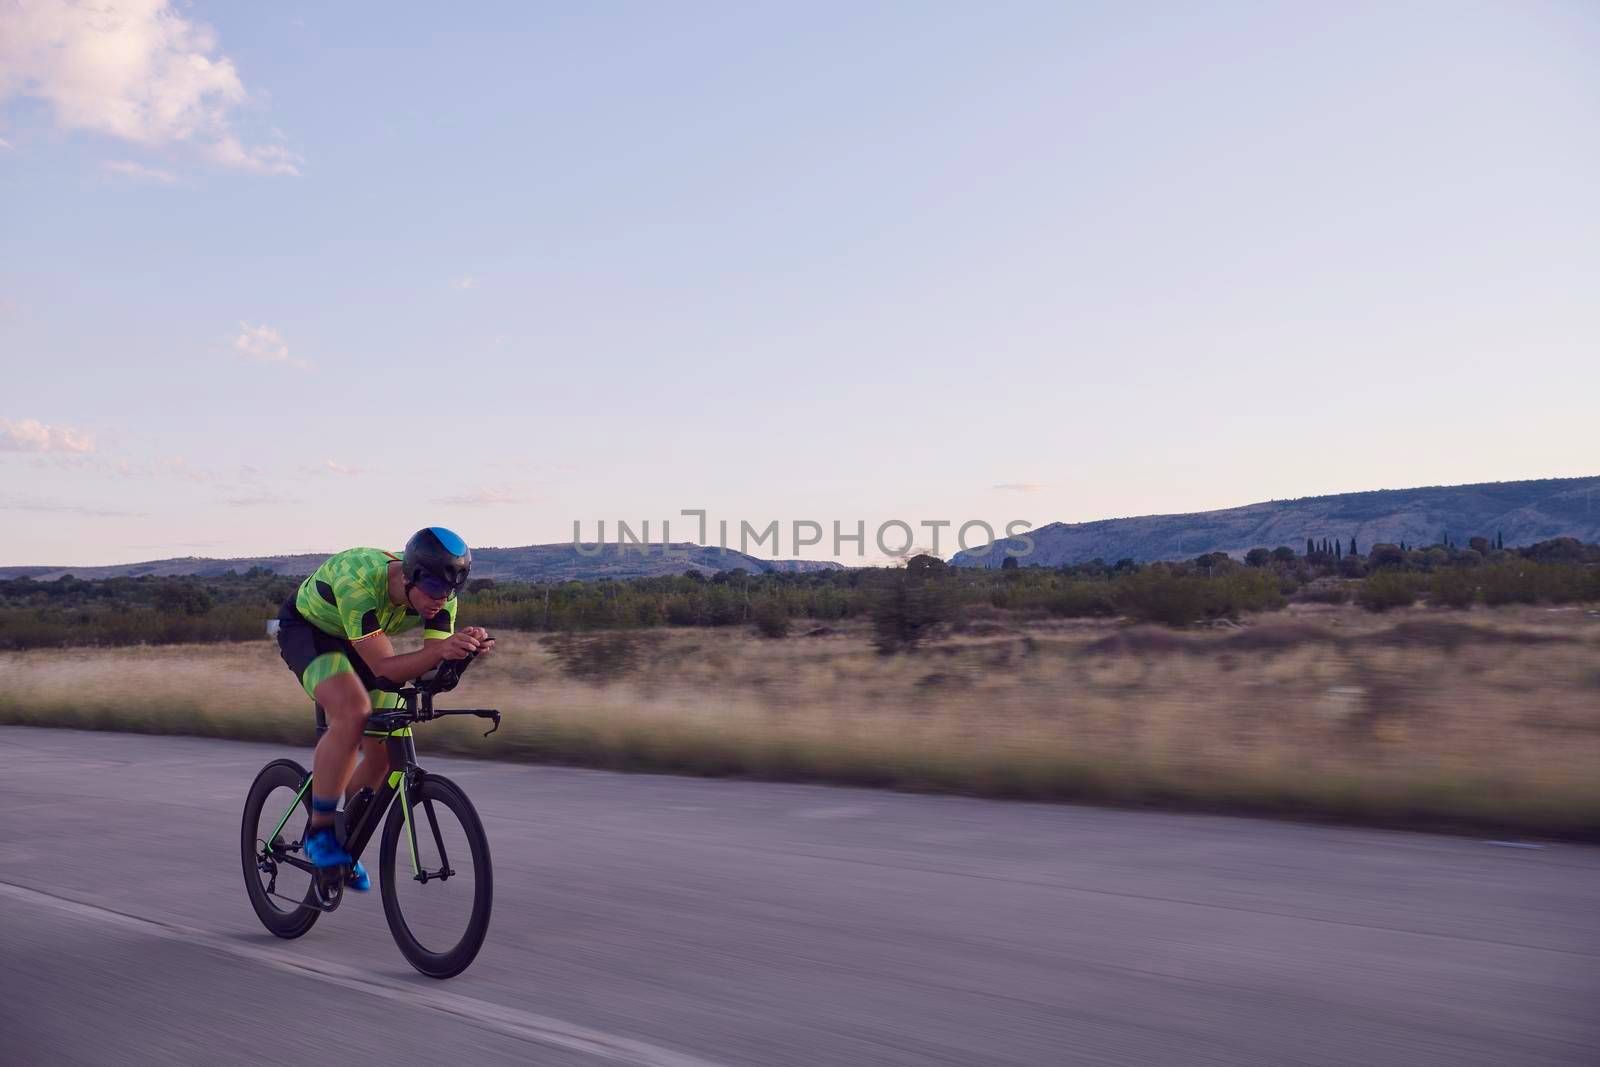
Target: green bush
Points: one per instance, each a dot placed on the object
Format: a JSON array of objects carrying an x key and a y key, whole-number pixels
[
  {"x": 1178, "y": 600},
  {"x": 907, "y": 607},
  {"x": 1083, "y": 600},
  {"x": 771, "y": 617},
  {"x": 1454, "y": 588},
  {"x": 1389, "y": 589},
  {"x": 1324, "y": 592}
]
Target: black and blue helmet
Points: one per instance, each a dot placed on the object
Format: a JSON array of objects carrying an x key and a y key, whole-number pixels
[{"x": 437, "y": 561}]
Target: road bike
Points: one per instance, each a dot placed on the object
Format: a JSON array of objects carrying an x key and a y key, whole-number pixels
[{"x": 438, "y": 907}]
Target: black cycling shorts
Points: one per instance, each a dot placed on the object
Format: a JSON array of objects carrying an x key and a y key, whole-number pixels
[{"x": 315, "y": 656}]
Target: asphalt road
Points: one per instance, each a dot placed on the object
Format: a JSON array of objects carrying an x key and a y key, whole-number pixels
[{"x": 679, "y": 922}]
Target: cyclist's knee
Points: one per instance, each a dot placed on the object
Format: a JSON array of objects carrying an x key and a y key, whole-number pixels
[{"x": 344, "y": 701}]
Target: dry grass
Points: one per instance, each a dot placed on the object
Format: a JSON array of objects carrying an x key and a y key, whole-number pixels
[{"x": 1487, "y": 720}]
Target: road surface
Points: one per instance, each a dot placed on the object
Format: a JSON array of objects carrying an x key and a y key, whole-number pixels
[{"x": 675, "y": 922}]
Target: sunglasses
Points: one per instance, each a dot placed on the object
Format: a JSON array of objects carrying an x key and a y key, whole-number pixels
[{"x": 434, "y": 586}]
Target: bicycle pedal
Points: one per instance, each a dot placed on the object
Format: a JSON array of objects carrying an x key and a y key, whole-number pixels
[{"x": 328, "y": 886}]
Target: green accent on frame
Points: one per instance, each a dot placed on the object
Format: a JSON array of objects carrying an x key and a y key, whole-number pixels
[
  {"x": 411, "y": 831},
  {"x": 292, "y": 805}
]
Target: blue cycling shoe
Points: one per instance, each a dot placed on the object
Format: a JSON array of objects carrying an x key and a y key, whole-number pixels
[
  {"x": 358, "y": 879},
  {"x": 322, "y": 849}
]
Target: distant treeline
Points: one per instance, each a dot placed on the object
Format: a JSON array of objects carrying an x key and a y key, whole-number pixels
[{"x": 904, "y": 604}]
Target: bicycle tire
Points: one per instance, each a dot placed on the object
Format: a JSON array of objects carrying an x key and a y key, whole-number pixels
[
  {"x": 286, "y": 922},
  {"x": 452, "y": 961}
]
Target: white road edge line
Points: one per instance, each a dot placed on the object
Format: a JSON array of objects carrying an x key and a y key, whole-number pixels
[{"x": 504, "y": 1020}]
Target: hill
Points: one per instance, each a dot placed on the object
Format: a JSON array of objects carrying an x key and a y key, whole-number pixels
[
  {"x": 529, "y": 563},
  {"x": 1522, "y": 512}
]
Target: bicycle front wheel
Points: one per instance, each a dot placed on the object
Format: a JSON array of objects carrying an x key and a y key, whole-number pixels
[{"x": 437, "y": 883}]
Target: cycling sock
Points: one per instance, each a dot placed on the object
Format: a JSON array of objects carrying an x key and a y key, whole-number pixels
[{"x": 323, "y": 806}]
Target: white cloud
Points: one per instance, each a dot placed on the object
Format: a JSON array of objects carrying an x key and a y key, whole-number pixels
[
  {"x": 56, "y": 507},
  {"x": 466, "y": 281},
  {"x": 261, "y": 500},
  {"x": 329, "y": 466},
  {"x": 136, "y": 70},
  {"x": 140, "y": 172},
  {"x": 179, "y": 468},
  {"x": 484, "y": 497},
  {"x": 1023, "y": 487},
  {"x": 30, "y": 435},
  {"x": 4, "y": 143},
  {"x": 262, "y": 159},
  {"x": 265, "y": 345}
]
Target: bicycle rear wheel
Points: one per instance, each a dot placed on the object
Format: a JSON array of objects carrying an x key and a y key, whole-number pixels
[
  {"x": 438, "y": 900},
  {"x": 275, "y": 886}
]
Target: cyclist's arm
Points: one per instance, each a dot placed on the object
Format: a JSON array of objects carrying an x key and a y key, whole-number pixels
[{"x": 377, "y": 651}]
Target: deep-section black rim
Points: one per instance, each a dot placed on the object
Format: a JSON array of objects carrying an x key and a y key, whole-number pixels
[
  {"x": 456, "y": 825},
  {"x": 276, "y": 892}
]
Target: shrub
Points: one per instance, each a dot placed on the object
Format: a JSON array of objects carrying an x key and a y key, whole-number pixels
[
  {"x": 1324, "y": 592},
  {"x": 1083, "y": 600},
  {"x": 1178, "y": 600},
  {"x": 1385, "y": 555},
  {"x": 1352, "y": 567},
  {"x": 907, "y": 607},
  {"x": 1454, "y": 588},
  {"x": 771, "y": 617},
  {"x": 183, "y": 599},
  {"x": 600, "y": 658},
  {"x": 1388, "y": 589},
  {"x": 1157, "y": 596}
]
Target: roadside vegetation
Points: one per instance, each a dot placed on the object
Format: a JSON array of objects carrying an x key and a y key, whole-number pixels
[
  {"x": 904, "y": 605},
  {"x": 1442, "y": 687},
  {"x": 1486, "y": 721}
]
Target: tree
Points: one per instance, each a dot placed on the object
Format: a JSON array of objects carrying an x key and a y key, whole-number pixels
[
  {"x": 1257, "y": 557},
  {"x": 1478, "y": 544},
  {"x": 923, "y": 563},
  {"x": 1352, "y": 551},
  {"x": 1283, "y": 554},
  {"x": 1009, "y": 563},
  {"x": 1499, "y": 539},
  {"x": 182, "y": 598},
  {"x": 1338, "y": 550},
  {"x": 1383, "y": 555},
  {"x": 1310, "y": 548}
]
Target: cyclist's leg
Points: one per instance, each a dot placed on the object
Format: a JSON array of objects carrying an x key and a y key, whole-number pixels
[
  {"x": 374, "y": 766},
  {"x": 347, "y": 706}
]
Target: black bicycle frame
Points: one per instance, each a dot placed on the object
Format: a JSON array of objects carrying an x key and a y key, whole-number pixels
[{"x": 404, "y": 778}]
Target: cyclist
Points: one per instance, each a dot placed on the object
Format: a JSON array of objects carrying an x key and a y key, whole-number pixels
[{"x": 334, "y": 634}]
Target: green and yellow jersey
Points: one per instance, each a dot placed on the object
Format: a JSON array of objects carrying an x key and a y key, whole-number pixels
[{"x": 348, "y": 597}]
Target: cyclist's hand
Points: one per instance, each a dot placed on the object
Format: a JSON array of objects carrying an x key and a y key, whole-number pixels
[
  {"x": 485, "y": 642},
  {"x": 460, "y": 645}
]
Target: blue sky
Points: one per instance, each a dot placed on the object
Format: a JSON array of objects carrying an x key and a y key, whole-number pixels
[{"x": 287, "y": 277}]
